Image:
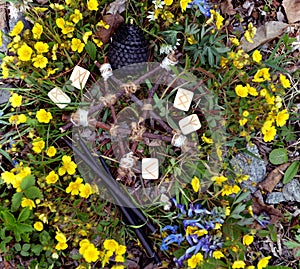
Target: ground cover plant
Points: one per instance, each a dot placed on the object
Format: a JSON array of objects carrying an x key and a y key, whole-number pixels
[{"x": 52, "y": 216}]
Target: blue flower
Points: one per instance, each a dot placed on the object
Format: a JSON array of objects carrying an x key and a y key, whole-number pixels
[
  {"x": 171, "y": 228},
  {"x": 179, "y": 206},
  {"x": 170, "y": 239},
  {"x": 202, "y": 5}
]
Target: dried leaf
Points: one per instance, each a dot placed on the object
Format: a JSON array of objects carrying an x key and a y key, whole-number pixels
[
  {"x": 269, "y": 183},
  {"x": 114, "y": 21},
  {"x": 264, "y": 33},
  {"x": 292, "y": 10},
  {"x": 227, "y": 8},
  {"x": 259, "y": 206},
  {"x": 118, "y": 6}
]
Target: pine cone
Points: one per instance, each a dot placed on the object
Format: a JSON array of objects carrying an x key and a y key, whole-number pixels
[{"x": 128, "y": 46}]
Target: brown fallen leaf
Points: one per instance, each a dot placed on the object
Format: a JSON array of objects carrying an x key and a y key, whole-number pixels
[
  {"x": 269, "y": 183},
  {"x": 264, "y": 33},
  {"x": 227, "y": 8},
  {"x": 292, "y": 10},
  {"x": 259, "y": 207},
  {"x": 114, "y": 21}
]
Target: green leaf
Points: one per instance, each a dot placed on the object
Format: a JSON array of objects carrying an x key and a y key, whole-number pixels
[
  {"x": 26, "y": 247},
  {"x": 291, "y": 244},
  {"x": 278, "y": 156},
  {"x": 17, "y": 247},
  {"x": 27, "y": 182},
  {"x": 291, "y": 172},
  {"x": 36, "y": 249},
  {"x": 91, "y": 49},
  {"x": 16, "y": 201},
  {"x": 22, "y": 228},
  {"x": 24, "y": 214},
  {"x": 33, "y": 193},
  {"x": 8, "y": 218},
  {"x": 44, "y": 238}
]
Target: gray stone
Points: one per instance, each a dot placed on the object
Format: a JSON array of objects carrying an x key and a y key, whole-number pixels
[
  {"x": 246, "y": 164},
  {"x": 291, "y": 191},
  {"x": 4, "y": 95},
  {"x": 275, "y": 198}
]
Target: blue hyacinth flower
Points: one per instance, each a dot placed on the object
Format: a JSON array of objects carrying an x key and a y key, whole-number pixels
[{"x": 202, "y": 5}]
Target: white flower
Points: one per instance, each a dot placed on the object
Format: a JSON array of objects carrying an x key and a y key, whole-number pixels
[
  {"x": 151, "y": 15},
  {"x": 166, "y": 48},
  {"x": 158, "y": 3}
]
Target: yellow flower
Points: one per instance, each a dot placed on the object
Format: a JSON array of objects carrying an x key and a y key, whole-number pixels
[
  {"x": 51, "y": 178},
  {"x": 184, "y": 4},
  {"x": 195, "y": 184},
  {"x": 54, "y": 49},
  {"x": 219, "y": 179},
  {"x": 201, "y": 232},
  {"x": 77, "y": 45},
  {"x": 17, "y": 29},
  {"x": 38, "y": 145},
  {"x": 248, "y": 239},
  {"x": 27, "y": 203},
  {"x": 51, "y": 151},
  {"x": 41, "y": 47},
  {"x": 60, "y": 22},
  {"x": 15, "y": 100},
  {"x": 40, "y": 61},
  {"x": 227, "y": 210},
  {"x": 76, "y": 17},
  {"x": 206, "y": 139},
  {"x": 37, "y": 30},
  {"x": 269, "y": 134},
  {"x": 102, "y": 24},
  {"x": 68, "y": 166},
  {"x": 256, "y": 56},
  {"x": 217, "y": 254},
  {"x": 98, "y": 42},
  {"x": 85, "y": 190},
  {"x": 241, "y": 91},
  {"x": 83, "y": 245},
  {"x": 235, "y": 189},
  {"x": 43, "y": 116},
  {"x": 86, "y": 36},
  {"x": 168, "y": 2},
  {"x": 262, "y": 75},
  {"x": 24, "y": 53},
  {"x": 245, "y": 113},
  {"x": 60, "y": 237},
  {"x": 38, "y": 225},
  {"x": 195, "y": 260},
  {"x": 215, "y": 16},
  {"x": 227, "y": 190},
  {"x": 91, "y": 253},
  {"x": 57, "y": 6},
  {"x": 118, "y": 267},
  {"x": 282, "y": 117},
  {"x": 119, "y": 258},
  {"x": 61, "y": 246},
  {"x": 234, "y": 41},
  {"x": 8, "y": 177},
  {"x": 110, "y": 244},
  {"x": 73, "y": 187},
  {"x": 121, "y": 250},
  {"x": 263, "y": 262},
  {"x": 238, "y": 264},
  {"x": 251, "y": 90},
  {"x": 250, "y": 33},
  {"x": 92, "y": 5},
  {"x": 284, "y": 81},
  {"x": 243, "y": 121}
]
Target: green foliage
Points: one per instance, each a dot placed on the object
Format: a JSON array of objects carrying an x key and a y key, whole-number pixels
[
  {"x": 278, "y": 156},
  {"x": 291, "y": 172}
]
